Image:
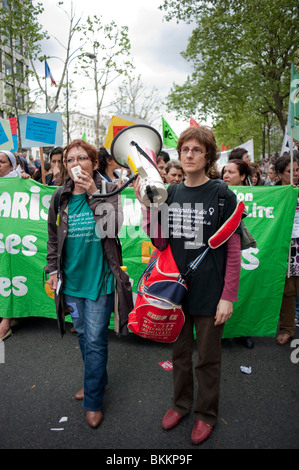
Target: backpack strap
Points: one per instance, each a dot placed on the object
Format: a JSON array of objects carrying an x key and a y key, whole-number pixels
[{"x": 221, "y": 201}]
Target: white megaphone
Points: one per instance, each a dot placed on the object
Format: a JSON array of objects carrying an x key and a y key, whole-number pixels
[{"x": 132, "y": 148}]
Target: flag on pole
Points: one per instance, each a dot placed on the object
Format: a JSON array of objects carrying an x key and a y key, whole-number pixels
[
  {"x": 193, "y": 122},
  {"x": 48, "y": 73},
  {"x": 169, "y": 137},
  {"x": 286, "y": 144},
  {"x": 293, "y": 113}
]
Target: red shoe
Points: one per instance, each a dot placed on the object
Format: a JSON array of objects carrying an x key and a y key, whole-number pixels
[
  {"x": 94, "y": 418},
  {"x": 170, "y": 419},
  {"x": 200, "y": 432},
  {"x": 80, "y": 394}
]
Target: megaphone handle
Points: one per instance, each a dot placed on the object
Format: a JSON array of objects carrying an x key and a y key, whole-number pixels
[
  {"x": 116, "y": 191},
  {"x": 143, "y": 153},
  {"x": 149, "y": 193}
]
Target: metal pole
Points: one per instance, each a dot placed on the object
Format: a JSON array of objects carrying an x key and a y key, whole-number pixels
[
  {"x": 292, "y": 154},
  {"x": 67, "y": 108}
]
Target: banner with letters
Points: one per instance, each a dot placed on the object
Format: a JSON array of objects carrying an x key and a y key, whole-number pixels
[{"x": 23, "y": 245}]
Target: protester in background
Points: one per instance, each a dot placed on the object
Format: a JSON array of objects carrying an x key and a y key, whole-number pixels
[
  {"x": 271, "y": 178},
  {"x": 84, "y": 247},
  {"x": 236, "y": 173},
  {"x": 22, "y": 157},
  {"x": 37, "y": 162},
  {"x": 107, "y": 166},
  {"x": 291, "y": 289},
  {"x": 48, "y": 168},
  {"x": 173, "y": 172},
  {"x": 63, "y": 169},
  {"x": 56, "y": 165},
  {"x": 256, "y": 175},
  {"x": 38, "y": 173},
  {"x": 212, "y": 288},
  {"x": 283, "y": 170},
  {"x": 53, "y": 177},
  {"x": 164, "y": 155},
  {"x": 9, "y": 168},
  {"x": 32, "y": 167},
  {"x": 239, "y": 153},
  {"x": 160, "y": 164},
  {"x": 21, "y": 167}
]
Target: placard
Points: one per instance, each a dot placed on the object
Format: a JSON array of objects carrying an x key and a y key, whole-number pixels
[{"x": 41, "y": 130}]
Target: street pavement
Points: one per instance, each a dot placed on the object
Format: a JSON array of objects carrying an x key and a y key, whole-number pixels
[{"x": 42, "y": 372}]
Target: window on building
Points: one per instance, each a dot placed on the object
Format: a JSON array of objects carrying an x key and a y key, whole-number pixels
[
  {"x": 19, "y": 44},
  {"x": 9, "y": 94},
  {"x": 8, "y": 65},
  {"x": 20, "y": 100},
  {"x": 19, "y": 70}
]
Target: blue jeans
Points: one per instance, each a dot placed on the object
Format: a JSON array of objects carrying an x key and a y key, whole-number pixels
[{"x": 91, "y": 320}]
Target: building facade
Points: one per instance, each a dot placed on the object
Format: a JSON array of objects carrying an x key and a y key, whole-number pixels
[{"x": 14, "y": 66}]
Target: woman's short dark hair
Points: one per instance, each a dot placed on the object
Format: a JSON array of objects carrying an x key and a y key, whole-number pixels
[
  {"x": 164, "y": 155},
  {"x": 282, "y": 162},
  {"x": 243, "y": 168},
  {"x": 103, "y": 156},
  {"x": 237, "y": 153},
  {"x": 205, "y": 136},
  {"x": 56, "y": 151},
  {"x": 173, "y": 164}
]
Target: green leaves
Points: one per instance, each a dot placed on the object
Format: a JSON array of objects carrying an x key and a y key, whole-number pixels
[{"x": 241, "y": 52}]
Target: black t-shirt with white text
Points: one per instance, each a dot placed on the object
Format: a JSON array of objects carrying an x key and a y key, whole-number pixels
[{"x": 192, "y": 220}]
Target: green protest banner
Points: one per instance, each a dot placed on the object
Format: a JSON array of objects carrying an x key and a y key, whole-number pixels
[
  {"x": 23, "y": 247},
  {"x": 270, "y": 219}
]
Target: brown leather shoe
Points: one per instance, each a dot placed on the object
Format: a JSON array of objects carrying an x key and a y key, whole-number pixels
[
  {"x": 200, "y": 432},
  {"x": 170, "y": 419},
  {"x": 283, "y": 338},
  {"x": 94, "y": 418},
  {"x": 80, "y": 394}
]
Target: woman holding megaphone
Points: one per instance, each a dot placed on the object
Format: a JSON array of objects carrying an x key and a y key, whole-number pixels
[
  {"x": 84, "y": 265},
  {"x": 192, "y": 218}
]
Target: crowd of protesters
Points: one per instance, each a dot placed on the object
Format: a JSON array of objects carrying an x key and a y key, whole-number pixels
[{"x": 99, "y": 166}]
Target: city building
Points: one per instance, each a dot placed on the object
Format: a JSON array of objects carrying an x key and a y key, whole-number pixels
[
  {"x": 14, "y": 88},
  {"x": 84, "y": 126}
]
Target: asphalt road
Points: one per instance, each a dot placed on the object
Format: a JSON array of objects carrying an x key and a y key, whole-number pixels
[{"x": 42, "y": 371}]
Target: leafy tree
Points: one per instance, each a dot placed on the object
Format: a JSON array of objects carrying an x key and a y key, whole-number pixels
[
  {"x": 110, "y": 46},
  {"x": 241, "y": 52},
  {"x": 20, "y": 33}
]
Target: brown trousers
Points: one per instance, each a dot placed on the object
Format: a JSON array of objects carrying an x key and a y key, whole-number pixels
[
  {"x": 207, "y": 369},
  {"x": 288, "y": 306}
]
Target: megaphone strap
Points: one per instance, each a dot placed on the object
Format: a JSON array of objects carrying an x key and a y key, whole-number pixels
[{"x": 144, "y": 154}]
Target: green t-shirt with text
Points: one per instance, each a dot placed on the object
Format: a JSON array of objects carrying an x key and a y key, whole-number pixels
[{"x": 86, "y": 272}]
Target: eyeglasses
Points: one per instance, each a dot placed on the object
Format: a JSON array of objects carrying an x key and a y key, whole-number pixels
[
  {"x": 80, "y": 159},
  {"x": 195, "y": 151}
]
